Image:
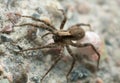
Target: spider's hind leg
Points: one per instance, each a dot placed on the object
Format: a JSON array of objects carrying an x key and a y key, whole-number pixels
[
  {"x": 73, "y": 62},
  {"x": 89, "y": 44}
]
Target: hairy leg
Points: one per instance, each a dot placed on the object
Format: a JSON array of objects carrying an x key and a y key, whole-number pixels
[
  {"x": 73, "y": 62},
  {"x": 46, "y": 34},
  {"x": 82, "y": 24},
  {"x": 38, "y": 20},
  {"x": 51, "y": 45},
  {"x": 56, "y": 61},
  {"x": 64, "y": 20},
  {"x": 88, "y": 44},
  {"x": 37, "y": 25}
]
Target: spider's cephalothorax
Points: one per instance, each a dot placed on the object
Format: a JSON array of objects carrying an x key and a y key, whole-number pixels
[
  {"x": 73, "y": 33},
  {"x": 62, "y": 38}
]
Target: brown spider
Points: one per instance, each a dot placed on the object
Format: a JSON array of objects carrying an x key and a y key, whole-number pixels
[{"x": 62, "y": 38}]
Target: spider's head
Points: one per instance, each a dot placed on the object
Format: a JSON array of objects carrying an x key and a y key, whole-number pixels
[{"x": 76, "y": 32}]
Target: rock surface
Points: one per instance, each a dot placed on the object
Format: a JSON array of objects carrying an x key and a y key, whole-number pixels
[{"x": 102, "y": 15}]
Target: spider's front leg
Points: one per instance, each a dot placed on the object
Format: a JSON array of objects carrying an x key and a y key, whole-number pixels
[
  {"x": 64, "y": 19},
  {"x": 43, "y": 26},
  {"x": 85, "y": 45},
  {"x": 35, "y": 19}
]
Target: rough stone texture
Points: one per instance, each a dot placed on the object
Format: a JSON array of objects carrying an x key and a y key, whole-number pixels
[{"x": 103, "y": 15}]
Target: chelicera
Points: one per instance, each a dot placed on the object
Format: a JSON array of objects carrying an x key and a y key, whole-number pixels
[{"x": 62, "y": 38}]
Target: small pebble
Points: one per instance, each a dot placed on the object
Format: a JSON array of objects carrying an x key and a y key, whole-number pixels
[
  {"x": 35, "y": 79},
  {"x": 99, "y": 80},
  {"x": 4, "y": 38},
  {"x": 79, "y": 74},
  {"x": 83, "y": 8},
  {"x": 7, "y": 29},
  {"x": 13, "y": 17},
  {"x": 46, "y": 19},
  {"x": 31, "y": 33},
  {"x": 36, "y": 15}
]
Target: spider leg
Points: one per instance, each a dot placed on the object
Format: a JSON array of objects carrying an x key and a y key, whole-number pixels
[
  {"x": 38, "y": 20},
  {"x": 82, "y": 24},
  {"x": 73, "y": 62},
  {"x": 37, "y": 25},
  {"x": 51, "y": 45},
  {"x": 46, "y": 34},
  {"x": 85, "y": 45},
  {"x": 56, "y": 61},
  {"x": 64, "y": 20}
]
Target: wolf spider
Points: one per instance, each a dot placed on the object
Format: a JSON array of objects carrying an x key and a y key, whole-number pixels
[{"x": 62, "y": 38}]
